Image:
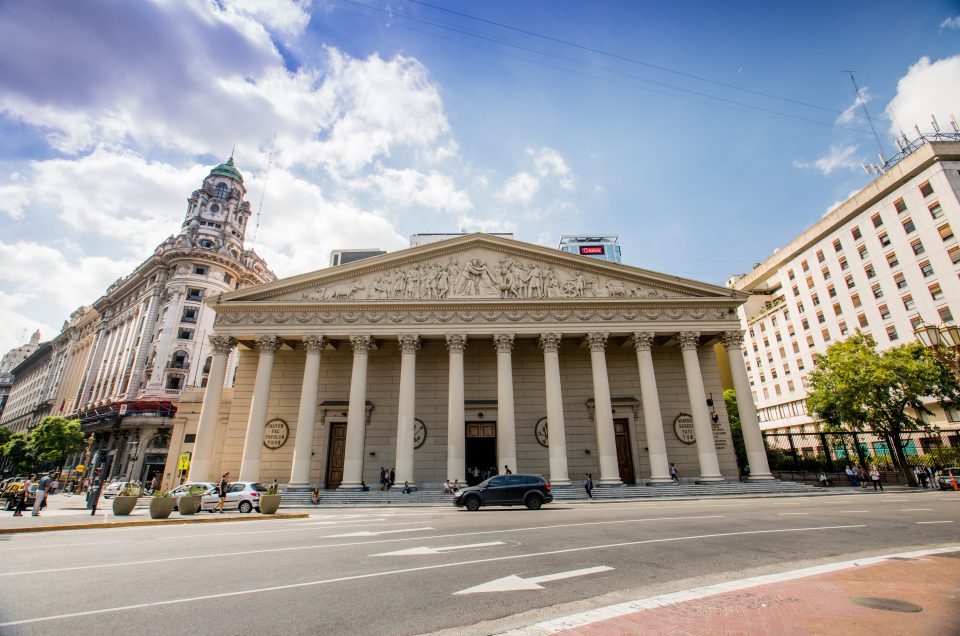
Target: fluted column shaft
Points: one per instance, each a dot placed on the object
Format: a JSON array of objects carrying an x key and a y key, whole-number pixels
[
  {"x": 556, "y": 430},
  {"x": 253, "y": 444},
  {"x": 603, "y": 410},
  {"x": 506, "y": 424},
  {"x": 303, "y": 445},
  {"x": 356, "y": 415},
  {"x": 200, "y": 462},
  {"x": 706, "y": 449},
  {"x": 456, "y": 427},
  {"x": 406, "y": 408},
  {"x": 652, "y": 419},
  {"x": 749, "y": 423}
]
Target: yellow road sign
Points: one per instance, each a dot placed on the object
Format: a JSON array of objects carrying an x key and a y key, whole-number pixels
[
  {"x": 184, "y": 462},
  {"x": 79, "y": 468}
]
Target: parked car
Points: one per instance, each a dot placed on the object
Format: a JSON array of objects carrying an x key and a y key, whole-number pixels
[
  {"x": 113, "y": 488},
  {"x": 241, "y": 495},
  {"x": 181, "y": 490},
  {"x": 531, "y": 491},
  {"x": 944, "y": 481},
  {"x": 12, "y": 493}
]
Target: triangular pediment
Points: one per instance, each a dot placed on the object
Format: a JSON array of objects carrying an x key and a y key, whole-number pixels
[{"x": 477, "y": 267}]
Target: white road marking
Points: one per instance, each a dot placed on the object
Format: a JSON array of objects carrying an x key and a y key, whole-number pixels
[
  {"x": 514, "y": 583},
  {"x": 374, "y": 533},
  {"x": 916, "y": 510},
  {"x": 854, "y": 511},
  {"x": 219, "y": 555},
  {"x": 438, "y": 550},
  {"x": 927, "y": 522},
  {"x": 792, "y": 513},
  {"x": 422, "y": 568},
  {"x": 589, "y": 617}
]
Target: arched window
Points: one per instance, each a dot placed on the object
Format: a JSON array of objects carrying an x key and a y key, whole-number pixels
[
  {"x": 178, "y": 360},
  {"x": 207, "y": 363},
  {"x": 220, "y": 191}
]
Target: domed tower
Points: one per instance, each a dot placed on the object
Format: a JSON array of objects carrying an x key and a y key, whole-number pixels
[{"x": 217, "y": 213}]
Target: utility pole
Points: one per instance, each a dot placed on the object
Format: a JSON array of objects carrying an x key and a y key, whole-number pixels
[{"x": 863, "y": 104}]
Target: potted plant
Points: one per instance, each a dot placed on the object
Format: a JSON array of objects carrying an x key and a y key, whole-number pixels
[
  {"x": 161, "y": 505},
  {"x": 189, "y": 504},
  {"x": 126, "y": 499},
  {"x": 270, "y": 502}
]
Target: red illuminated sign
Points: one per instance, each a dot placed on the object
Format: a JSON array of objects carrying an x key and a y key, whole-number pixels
[{"x": 591, "y": 249}]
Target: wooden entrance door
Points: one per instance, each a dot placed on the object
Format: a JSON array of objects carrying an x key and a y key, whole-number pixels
[
  {"x": 338, "y": 442},
  {"x": 621, "y": 429}
]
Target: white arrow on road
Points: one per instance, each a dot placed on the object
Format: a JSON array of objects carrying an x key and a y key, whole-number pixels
[
  {"x": 372, "y": 533},
  {"x": 513, "y": 582},
  {"x": 440, "y": 550}
]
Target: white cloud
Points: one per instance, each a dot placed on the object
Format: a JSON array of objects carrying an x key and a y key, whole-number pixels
[
  {"x": 287, "y": 17},
  {"x": 850, "y": 112},
  {"x": 549, "y": 166},
  {"x": 550, "y": 163},
  {"x": 953, "y": 22},
  {"x": 927, "y": 88},
  {"x": 410, "y": 187},
  {"x": 520, "y": 188},
  {"x": 838, "y": 156}
]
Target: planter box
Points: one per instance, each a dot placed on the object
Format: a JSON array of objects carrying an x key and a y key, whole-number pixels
[
  {"x": 161, "y": 507},
  {"x": 123, "y": 506},
  {"x": 269, "y": 504},
  {"x": 189, "y": 504}
]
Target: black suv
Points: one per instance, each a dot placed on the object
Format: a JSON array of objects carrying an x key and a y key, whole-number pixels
[{"x": 531, "y": 491}]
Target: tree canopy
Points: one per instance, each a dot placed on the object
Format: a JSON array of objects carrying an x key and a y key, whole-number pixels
[
  {"x": 55, "y": 438},
  {"x": 19, "y": 452}
]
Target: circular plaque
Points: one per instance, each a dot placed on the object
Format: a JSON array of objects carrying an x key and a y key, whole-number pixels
[
  {"x": 419, "y": 433},
  {"x": 542, "y": 432},
  {"x": 683, "y": 428},
  {"x": 275, "y": 433}
]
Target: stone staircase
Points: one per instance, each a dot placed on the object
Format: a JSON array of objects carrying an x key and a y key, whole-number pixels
[{"x": 432, "y": 494}]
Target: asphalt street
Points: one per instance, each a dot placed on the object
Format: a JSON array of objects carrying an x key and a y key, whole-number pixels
[{"x": 418, "y": 570}]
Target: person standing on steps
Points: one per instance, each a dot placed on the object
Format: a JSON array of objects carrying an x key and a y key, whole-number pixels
[
  {"x": 673, "y": 473},
  {"x": 588, "y": 486}
]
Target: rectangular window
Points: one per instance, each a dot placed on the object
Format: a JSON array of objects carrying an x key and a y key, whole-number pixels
[
  {"x": 815, "y": 299},
  {"x": 826, "y": 335},
  {"x": 869, "y": 271},
  {"x": 820, "y": 257},
  {"x": 809, "y": 282},
  {"x": 800, "y": 364},
  {"x": 194, "y": 295},
  {"x": 877, "y": 292},
  {"x": 185, "y": 334},
  {"x": 826, "y": 273},
  {"x": 832, "y": 291},
  {"x": 227, "y": 278},
  {"x": 884, "y": 239},
  {"x": 763, "y": 327},
  {"x": 838, "y": 246},
  {"x": 908, "y": 226},
  {"x": 766, "y": 341},
  {"x": 779, "y": 337},
  {"x": 786, "y": 368},
  {"x": 945, "y": 232},
  {"x": 862, "y": 319},
  {"x": 804, "y": 266},
  {"x": 926, "y": 189},
  {"x": 945, "y": 314},
  {"x": 800, "y": 306},
  {"x": 795, "y": 290},
  {"x": 935, "y": 210},
  {"x": 790, "y": 274},
  {"x": 843, "y": 263},
  {"x": 917, "y": 247},
  {"x": 954, "y": 254},
  {"x": 908, "y": 303},
  {"x": 856, "y": 300},
  {"x": 820, "y": 317},
  {"x": 916, "y": 322},
  {"x": 849, "y": 281},
  {"x": 892, "y": 259},
  {"x": 844, "y": 330},
  {"x": 900, "y": 206},
  {"x": 776, "y": 388},
  {"x": 837, "y": 311},
  {"x": 783, "y": 352},
  {"x": 884, "y": 312},
  {"x": 862, "y": 251},
  {"x": 755, "y": 349},
  {"x": 900, "y": 281},
  {"x": 935, "y": 292},
  {"x": 790, "y": 386},
  {"x": 892, "y": 333},
  {"x": 810, "y": 341},
  {"x": 189, "y": 314},
  {"x": 200, "y": 270},
  {"x": 926, "y": 269},
  {"x": 856, "y": 233},
  {"x": 796, "y": 347},
  {"x": 805, "y": 324},
  {"x": 773, "y": 373},
  {"x": 175, "y": 382},
  {"x": 877, "y": 221}
]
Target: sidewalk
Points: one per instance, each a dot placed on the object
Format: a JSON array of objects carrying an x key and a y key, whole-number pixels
[{"x": 907, "y": 593}]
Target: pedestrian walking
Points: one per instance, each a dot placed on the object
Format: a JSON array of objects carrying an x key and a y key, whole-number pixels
[
  {"x": 222, "y": 488},
  {"x": 875, "y": 478},
  {"x": 24, "y": 494},
  {"x": 43, "y": 488},
  {"x": 383, "y": 478},
  {"x": 673, "y": 473},
  {"x": 393, "y": 477},
  {"x": 588, "y": 486}
]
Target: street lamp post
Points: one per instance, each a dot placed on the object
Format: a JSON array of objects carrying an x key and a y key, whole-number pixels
[{"x": 943, "y": 342}]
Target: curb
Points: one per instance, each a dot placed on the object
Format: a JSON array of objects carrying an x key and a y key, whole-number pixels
[{"x": 148, "y": 522}]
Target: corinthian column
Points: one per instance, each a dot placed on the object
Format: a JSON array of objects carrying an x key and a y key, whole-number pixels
[
  {"x": 456, "y": 433},
  {"x": 749, "y": 424},
  {"x": 556, "y": 433},
  {"x": 406, "y": 409},
  {"x": 506, "y": 425},
  {"x": 603, "y": 410},
  {"x": 253, "y": 444},
  {"x": 356, "y": 414},
  {"x": 652, "y": 420},
  {"x": 200, "y": 468},
  {"x": 303, "y": 445},
  {"x": 706, "y": 450}
]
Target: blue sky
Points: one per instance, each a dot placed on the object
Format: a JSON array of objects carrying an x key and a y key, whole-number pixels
[{"x": 651, "y": 120}]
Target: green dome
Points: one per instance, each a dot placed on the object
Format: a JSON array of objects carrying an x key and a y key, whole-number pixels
[{"x": 227, "y": 170}]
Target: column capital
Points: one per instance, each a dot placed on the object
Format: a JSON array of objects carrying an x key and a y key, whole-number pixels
[
  {"x": 361, "y": 344},
  {"x": 456, "y": 343},
  {"x": 503, "y": 342},
  {"x": 409, "y": 342},
  {"x": 689, "y": 340},
  {"x": 222, "y": 344},
  {"x": 732, "y": 339},
  {"x": 268, "y": 344},
  {"x": 597, "y": 341},
  {"x": 643, "y": 340},
  {"x": 314, "y": 344},
  {"x": 550, "y": 342}
]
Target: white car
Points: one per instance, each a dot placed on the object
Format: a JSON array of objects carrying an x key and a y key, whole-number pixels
[
  {"x": 180, "y": 491},
  {"x": 113, "y": 488},
  {"x": 241, "y": 495}
]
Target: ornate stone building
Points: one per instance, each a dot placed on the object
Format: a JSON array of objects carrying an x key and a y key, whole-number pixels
[{"x": 477, "y": 351}]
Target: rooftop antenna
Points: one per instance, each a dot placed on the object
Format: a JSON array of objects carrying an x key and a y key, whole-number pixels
[
  {"x": 917, "y": 128},
  {"x": 953, "y": 122},
  {"x": 935, "y": 124},
  {"x": 863, "y": 104},
  {"x": 263, "y": 192}
]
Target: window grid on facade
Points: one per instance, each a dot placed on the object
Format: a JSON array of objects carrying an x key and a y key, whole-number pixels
[
  {"x": 926, "y": 269},
  {"x": 908, "y": 302},
  {"x": 820, "y": 256},
  {"x": 892, "y": 259},
  {"x": 935, "y": 292},
  {"x": 917, "y": 246},
  {"x": 877, "y": 221},
  {"x": 908, "y": 226},
  {"x": 900, "y": 206},
  {"x": 838, "y": 246},
  {"x": 900, "y": 281},
  {"x": 884, "y": 239},
  {"x": 945, "y": 232},
  {"x": 884, "y": 312},
  {"x": 877, "y": 291},
  {"x": 855, "y": 299},
  {"x": 892, "y": 333},
  {"x": 935, "y": 210},
  {"x": 926, "y": 189}
]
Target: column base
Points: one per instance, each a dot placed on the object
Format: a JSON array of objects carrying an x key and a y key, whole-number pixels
[
  {"x": 559, "y": 482},
  {"x": 609, "y": 482},
  {"x": 710, "y": 479},
  {"x": 654, "y": 481},
  {"x": 350, "y": 486},
  {"x": 297, "y": 487},
  {"x": 761, "y": 477}
]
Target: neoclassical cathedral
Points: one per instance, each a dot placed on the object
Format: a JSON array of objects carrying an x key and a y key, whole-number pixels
[{"x": 473, "y": 352}]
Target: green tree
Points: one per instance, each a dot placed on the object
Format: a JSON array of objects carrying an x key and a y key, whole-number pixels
[
  {"x": 19, "y": 452},
  {"x": 736, "y": 430},
  {"x": 55, "y": 438},
  {"x": 854, "y": 387}
]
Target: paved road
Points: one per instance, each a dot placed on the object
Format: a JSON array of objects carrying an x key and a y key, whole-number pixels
[{"x": 411, "y": 570}]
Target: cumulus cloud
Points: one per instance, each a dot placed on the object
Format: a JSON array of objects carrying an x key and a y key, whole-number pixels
[
  {"x": 550, "y": 163},
  {"x": 953, "y": 23},
  {"x": 409, "y": 187},
  {"x": 836, "y": 157},
  {"x": 520, "y": 188},
  {"x": 549, "y": 166},
  {"x": 848, "y": 115},
  {"x": 928, "y": 88}
]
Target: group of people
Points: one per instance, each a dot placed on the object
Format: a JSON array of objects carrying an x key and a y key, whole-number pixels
[
  {"x": 450, "y": 487},
  {"x": 45, "y": 484},
  {"x": 475, "y": 474},
  {"x": 925, "y": 476},
  {"x": 386, "y": 478},
  {"x": 858, "y": 476}
]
